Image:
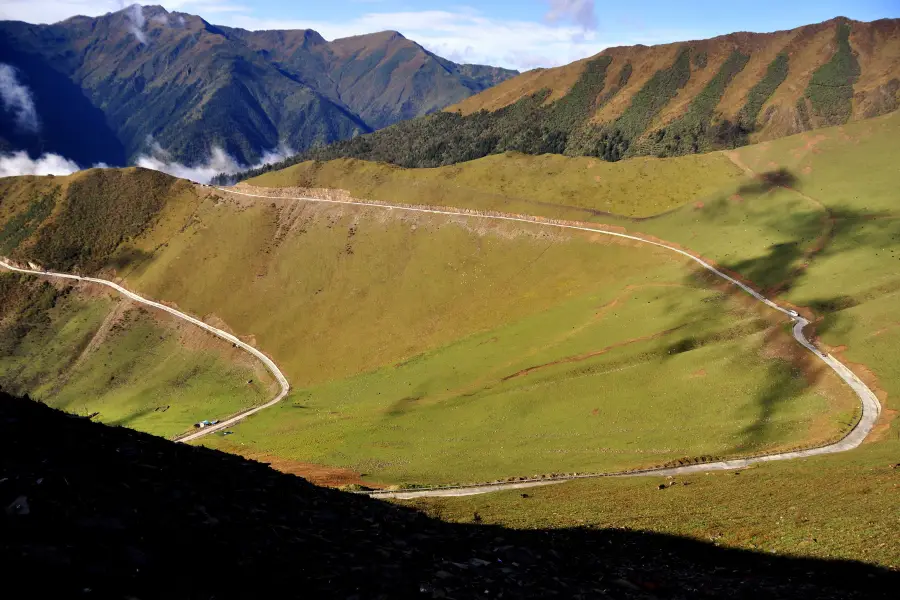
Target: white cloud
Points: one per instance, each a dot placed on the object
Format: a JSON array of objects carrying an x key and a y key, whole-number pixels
[
  {"x": 16, "y": 98},
  {"x": 19, "y": 163},
  {"x": 467, "y": 35},
  {"x": 462, "y": 36},
  {"x": 219, "y": 162},
  {"x": 581, "y": 12},
  {"x": 136, "y": 21}
]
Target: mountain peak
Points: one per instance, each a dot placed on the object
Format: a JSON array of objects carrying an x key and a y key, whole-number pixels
[{"x": 381, "y": 37}]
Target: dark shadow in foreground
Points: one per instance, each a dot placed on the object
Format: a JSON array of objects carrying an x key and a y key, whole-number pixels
[{"x": 98, "y": 511}]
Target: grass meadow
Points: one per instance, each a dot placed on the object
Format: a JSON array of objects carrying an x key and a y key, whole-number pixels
[{"x": 90, "y": 354}]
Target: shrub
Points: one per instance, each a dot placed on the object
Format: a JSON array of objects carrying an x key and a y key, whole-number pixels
[{"x": 22, "y": 226}]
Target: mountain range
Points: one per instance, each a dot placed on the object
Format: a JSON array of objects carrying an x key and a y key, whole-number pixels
[
  {"x": 666, "y": 100},
  {"x": 144, "y": 80}
]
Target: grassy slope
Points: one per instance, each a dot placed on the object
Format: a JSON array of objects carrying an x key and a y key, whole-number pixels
[
  {"x": 828, "y": 507},
  {"x": 379, "y": 412},
  {"x": 381, "y": 363},
  {"x": 453, "y": 304},
  {"x": 830, "y": 242},
  {"x": 140, "y": 364},
  {"x": 840, "y": 506},
  {"x": 90, "y": 353},
  {"x": 451, "y": 415},
  {"x": 550, "y": 185},
  {"x": 836, "y": 506}
]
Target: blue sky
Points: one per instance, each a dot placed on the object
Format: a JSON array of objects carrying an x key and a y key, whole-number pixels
[{"x": 518, "y": 34}]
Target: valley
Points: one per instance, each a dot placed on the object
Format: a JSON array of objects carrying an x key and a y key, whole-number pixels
[
  {"x": 610, "y": 318},
  {"x": 652, "y": 293}
]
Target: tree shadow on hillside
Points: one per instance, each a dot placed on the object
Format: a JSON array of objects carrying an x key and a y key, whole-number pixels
[
  {"x": 766, "y": 182},
  {"x": 128, "y": 259},
  {"x": 782, "y": 267},
  {"x": 732, "y": 314},
  {"x": 127, "y": 514}
]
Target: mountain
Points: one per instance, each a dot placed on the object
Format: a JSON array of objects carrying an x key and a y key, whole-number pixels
[
  {"x": 111, "y": 88},
  {"x": 666, "y": 100}
]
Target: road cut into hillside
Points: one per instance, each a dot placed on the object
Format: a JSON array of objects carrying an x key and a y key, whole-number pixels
[{"x": 870, "y": 406}]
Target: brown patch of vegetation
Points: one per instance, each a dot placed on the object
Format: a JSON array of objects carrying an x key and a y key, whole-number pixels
[
  {"x": 883, "y": 426},
  {"x": 877, "y": 47},
  {"x": 647, "y": 61},
  {"x": 810, "y": 49},
  {"x": 558, "y": 80},
  {"x": 323, "y": 475},
  {"x": 763, "y": 49}
]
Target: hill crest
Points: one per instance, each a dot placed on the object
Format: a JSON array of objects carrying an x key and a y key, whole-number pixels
[{"x": 875, "y": 44}]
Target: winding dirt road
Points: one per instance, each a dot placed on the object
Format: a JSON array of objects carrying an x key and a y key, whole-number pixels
[
  {"x": 270, "y": 364},
  {"x": 871, "y": 408}
]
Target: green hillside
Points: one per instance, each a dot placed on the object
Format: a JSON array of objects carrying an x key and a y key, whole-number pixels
[
  {"x": 816, "y": 227},
  {"x": 427, "y": 348},
  {"x": 501, "y": 350},
  {"x": 88, "y": 352},
  {"x": 496, "y": 350},
  {"x": 550, "y": 185}
]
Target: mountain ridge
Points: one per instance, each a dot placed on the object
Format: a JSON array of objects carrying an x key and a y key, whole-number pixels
[
  {"x": 667, "y": 100},
  {"x": 191, "y": 86},
  {"x": 864, "y": 38}
]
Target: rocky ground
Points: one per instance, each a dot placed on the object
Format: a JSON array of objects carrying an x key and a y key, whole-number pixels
[{"x": 88, "y": 510}]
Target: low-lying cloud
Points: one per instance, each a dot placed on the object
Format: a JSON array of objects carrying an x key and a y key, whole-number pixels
[
  {"x": 19, "y": 163},
  {"x": 219, "y": 162},
  {"x": 136, "y": 21},
  {"x": 17, "y": 99}
]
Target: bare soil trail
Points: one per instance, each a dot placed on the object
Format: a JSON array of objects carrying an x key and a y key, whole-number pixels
[{"x": 871, "y": 408}]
